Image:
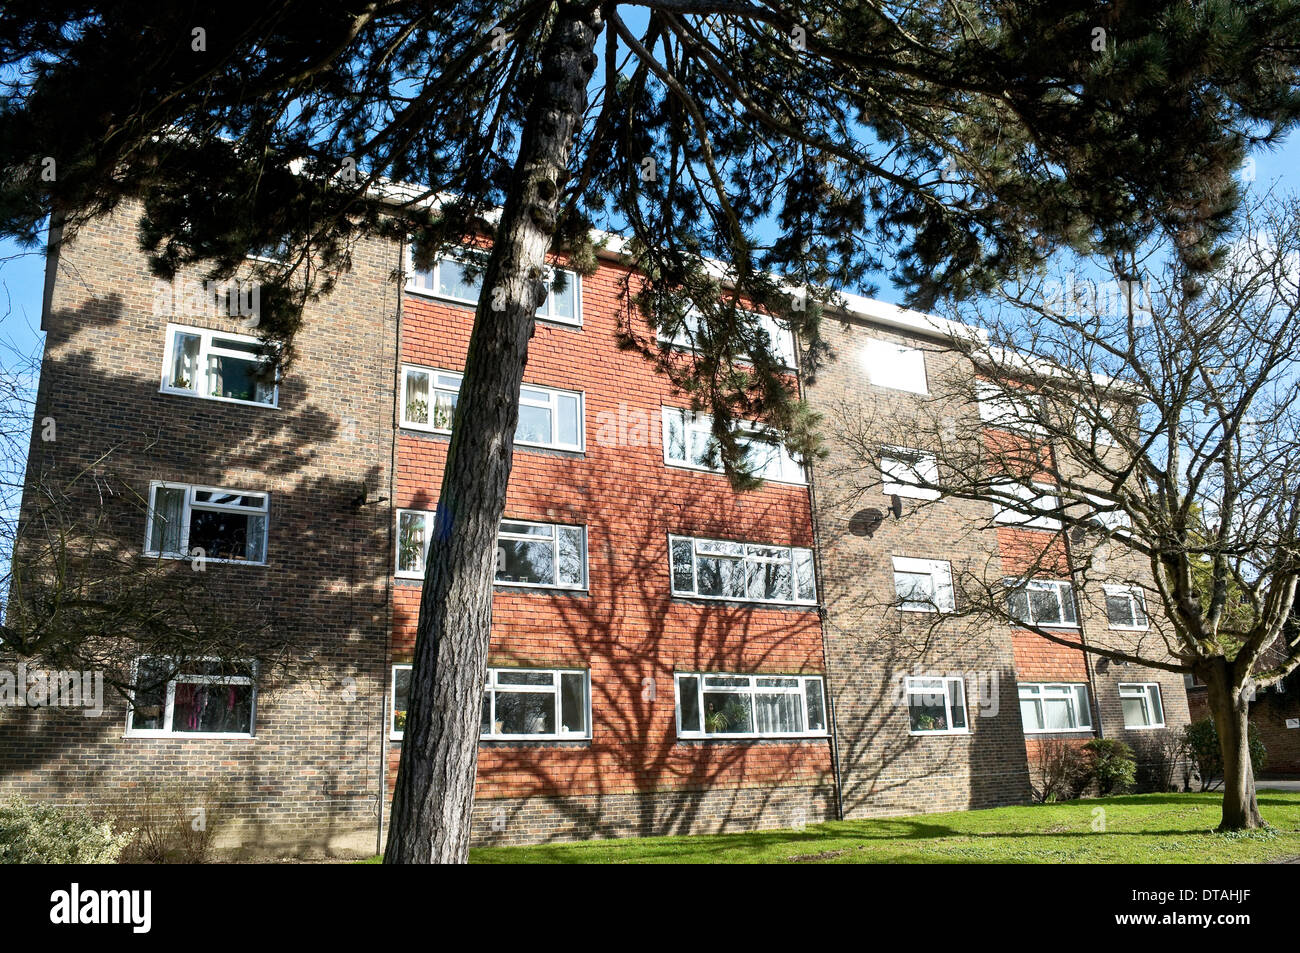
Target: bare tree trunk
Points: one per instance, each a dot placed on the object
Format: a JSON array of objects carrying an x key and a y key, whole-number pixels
[
  {"x": 1231, "y": 710},
  {"x": 434, "y": 798}
]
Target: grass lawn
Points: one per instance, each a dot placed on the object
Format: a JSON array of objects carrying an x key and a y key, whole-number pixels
[{"x": 1139, "y": 829}]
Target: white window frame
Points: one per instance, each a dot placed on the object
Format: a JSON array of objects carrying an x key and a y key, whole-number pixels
[
  {"x": 699, "y": 542},
  {"x": 1137, "y": 603},
  {"x": 895, "y": 366},
  {"x": 169, "y": 709},
  {"x": 901, "y": 468},
  {"x": 779, "y": 335},
  {"x": 1108, "y": 515},
  {"x": 492, "y": 686},
  {"x": 544, "y": 313},
  {"x": 789, "y": 470},
  {"x": 439, "y": 380},
  {"x": 1002, "y": 408},
  {"x": 190, "y": 505},
  {"x": 942, "y": 597},
  {"x": 1143, "y": 691},
  {"x": 1040, "y": 503},
  {"x": 753, "y": 688},
  {"x": 1064, "y": 597},
  {"x": 1075, "y": 693},
  {"x": 948, "y": 682},
  {"x": 208, "y": 349},
  {"x": 554, "y": 539}
]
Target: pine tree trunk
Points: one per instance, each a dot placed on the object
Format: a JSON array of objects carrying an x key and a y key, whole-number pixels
[
  {"x": 434, "y": 797},
  {"x": 1231, "y": 712}
]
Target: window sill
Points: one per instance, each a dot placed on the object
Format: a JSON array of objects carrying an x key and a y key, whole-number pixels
[
  {"x": 927, "y": 734},
  {"x": 1129, "y": 628},
  {"x": 572, "y": 452},
  {"x": 674, "y": 465},
  {"x": 520, "y": 587},
  {"x": 185, "y": 736},
  {"x": 748, "y": 739},
  {"x": 690, "y": 599},
  {"x": 206, "y": 559},
  {"x": 1144, "y": 727},
  {"x": 176, "y": 392},
  {"x": 1082, "y": 730}
]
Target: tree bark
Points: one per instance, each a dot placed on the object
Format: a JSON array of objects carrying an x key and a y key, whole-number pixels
[
  {"x": 1231, "y": 710},
  {"x": 434, "y": 797}
]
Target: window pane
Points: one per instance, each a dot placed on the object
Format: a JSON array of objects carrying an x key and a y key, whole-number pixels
[
  {"x": 688, "y": 700},
  {"x": 1082, "y": 710},
  {"x": 957, "y": 691},
  {"x": 235, "y": 378},
  {"x": 411, "y": 542},
  {"x": 149, "y": 700},
  {"x": 927, "y": 710},
  {"x": 803, "y": 564},
  {"x": 417, "y": 397},
  {"x": 1045, "y": 607},
  {"x": 914, "y": 590},
  {"x": 573, "y": 702},
  {"x": 525, "y": 561},
  {"x": 778, "y": 714},
  {"x": 525, "y": 713},
  {"x": 185, "y": 361},
  {"x": 1066, "y": 596},
  {"x": 1134, "y": 712},
  {"x": 571, "y": 555},
  {"x": 401, "y": 692},
  {"x": 534, "y": 424},
  {"x": 721, "y": 577},
  {"x": 727, "y": 713},
  {"x": 527, "y": 529},
  {"x": 1119, "y": 608},
  {"x": 1157, "y": 711},
  {"x": 454, "y": 281},
  {"x": 226, "y": 535},
  {"x": 485, "y": 722},
  {"x": 515, "y": 676},
  {"x": 168, "y": 510},
  {"x": 1030, "y": 716},
  {"x": 1056, "y": 713},
  {"x": 567, "y": 420},
  {"x": 563, "y": 296},
  {"x": 680, "y": 554},
  {"x": 227, "y": 709},
  {"x": 674, "y": 436},
  {"x": 770, "y": 581},
  {"x": 816, "y": 705},
  {"x": 1018, "y": 605}
]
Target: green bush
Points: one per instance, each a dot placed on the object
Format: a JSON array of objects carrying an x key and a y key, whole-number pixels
[
  {"x": 1113, "y": 766},
  {"x": 48, "y": 834},
  {"x": 1201, "y": 739}
]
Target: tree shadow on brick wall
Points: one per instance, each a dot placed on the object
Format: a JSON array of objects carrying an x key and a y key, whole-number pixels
[
  {"x": 314, "y": 616},
  {"x": 636, "y": 777}
]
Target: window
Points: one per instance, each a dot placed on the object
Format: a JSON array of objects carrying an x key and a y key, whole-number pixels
[
  {"x": 224, "y": 525},
  {"x": 460, "y": 278},
  {"x": 1141, "y": 704},
  {"x": 902, "y": 469},
  {"x": 217, "y": 366},
  {"x": 895, "y": 366},
  {"x": 1126, "y": 607},
  {"x": 544, "y": 555},
  {"x": 1009, "y": 408},
  {"x": 689, "y": 442},
  {"x": 1043, "y": 602},
  {"x": 923, "y": 585},
  {"x": 518, "y": 704},
  {"x": 201, "y": 698},
  {"x": 750, "y": 706},
  {"x": 548, "y": 417},
  {"x": 779, "y": 337},
  {"x": 1034, "y": 510},
  {"x": 1108, "y": 515},
  {"x": 1048, "y": 707},
  {"x": 1095, "y": 424},
  {"x": 744, "y": 572},
  {"x": 401, "y": 693},
  {"x": 937, "y": 705}
]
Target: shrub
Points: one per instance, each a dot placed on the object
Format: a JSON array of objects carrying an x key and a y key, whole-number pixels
[
  {"x": 1112, "y": 765},
  {"x": 49, "y": 834},
  {"x": 1201, "y": 743},
  {"x": 175, "y": 823},
  {"x": 1060, "y": 771},
  {"x": 1160, "y": 753}
]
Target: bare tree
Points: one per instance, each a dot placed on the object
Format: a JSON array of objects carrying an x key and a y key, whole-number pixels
[{"x": 1144, "y": 419}]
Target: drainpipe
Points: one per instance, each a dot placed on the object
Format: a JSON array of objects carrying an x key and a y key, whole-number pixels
[
  {"x": 821, "y": 621},
  {"x": 387, "y": 680}
]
